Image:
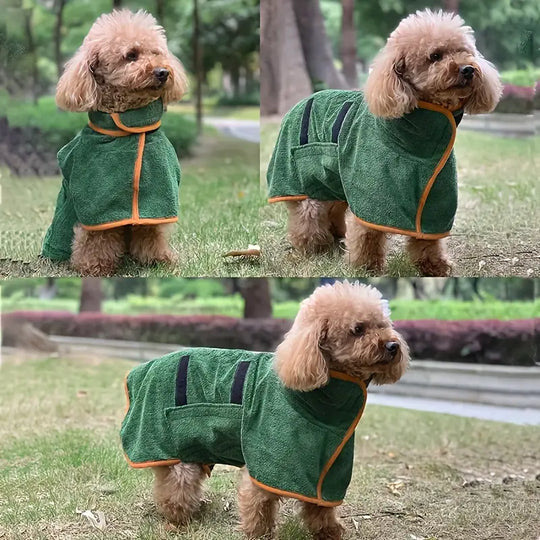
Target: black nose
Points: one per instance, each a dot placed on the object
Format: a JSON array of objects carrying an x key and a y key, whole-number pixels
[
  {"x": 161, "y": 74},
  {"x": 467, "y": 71},
  {"x": 392, "y": 347}
]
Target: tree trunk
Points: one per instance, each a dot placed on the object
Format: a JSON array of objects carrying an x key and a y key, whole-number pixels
[
  {"x": 235, "y": 80},
  {"x": 451, "y": 5},
  {"x": 197, "y": 64},
  {"x": 316, "y": 46},
  {"x": 160, "y": 11},
  {"x": 28, "y": 13},
  {"x": 348, "y": 43},
  {"x": 256, "y": 295},
  {"x": 91, "y": 295},
  {"x": 117, "y": 4},
  {"x": 59, "y": 9},
  {"x": 284, "y": 77}
]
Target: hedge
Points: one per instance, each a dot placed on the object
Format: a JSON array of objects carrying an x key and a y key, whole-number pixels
[{"x": 480, "y": 341}]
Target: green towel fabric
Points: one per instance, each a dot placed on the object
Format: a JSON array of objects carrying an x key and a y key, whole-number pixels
[
  {"x": 229, "y": 406},
  {"x": 331, "y": 148},
  {"x": 105, "y": 184}
]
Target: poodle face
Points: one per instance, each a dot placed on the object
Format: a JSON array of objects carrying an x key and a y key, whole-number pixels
[
  {"x": 431, "y": 57},
  {"x": 123, "y": 63},
  {"x": 344, "y": 327}
]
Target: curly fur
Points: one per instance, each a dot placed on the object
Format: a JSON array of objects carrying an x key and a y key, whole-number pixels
[
  {"x": 404, "y": 72},
  {"x": 324, "y": 336},
  {"x": 113, "y": 71}
]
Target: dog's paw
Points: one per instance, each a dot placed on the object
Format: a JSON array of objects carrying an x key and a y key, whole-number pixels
[
  {"x": 334, "y": 532},
  {"x": 434, "y": 267},
  {"x": 94, "y": 268}
]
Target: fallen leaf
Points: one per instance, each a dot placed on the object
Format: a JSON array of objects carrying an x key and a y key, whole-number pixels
[
  {"x": 251, "y": 251},
  {"x": 395, "y": 486},
  {"x": 355, "y": 523},
  {"x": 97, "y": 520},
  {"x": 81, "y": 393}
]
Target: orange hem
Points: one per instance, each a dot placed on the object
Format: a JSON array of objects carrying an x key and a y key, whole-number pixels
[
  {"x": 394, "y": 230},
  {"x": 129, "y": 221},
  {"x": 110, "y": 132},
  {"x": 143, "y": 129},
  {"x": 283, "y": 493},
  {"x": 442, "y": 161},
  {"x": 287, "y": 198}
]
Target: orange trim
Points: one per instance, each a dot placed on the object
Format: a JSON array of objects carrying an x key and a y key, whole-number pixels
[
  {"x": 442, "y": 161},
  {"x": 319, "y": 500},
  {"x": 143, "y": 129},
  {"x": 283, "y": 493},
  {"x": 395, "y": 230},
  {"x": 288, "y": 198},
  {"x": 129, "y": 221},
  {"x": 110, "y": 132}
]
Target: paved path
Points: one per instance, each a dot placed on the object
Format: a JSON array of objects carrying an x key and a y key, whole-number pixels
[
  {"x": 513, "y": 415},
  {"x": 248, "y": 130}
]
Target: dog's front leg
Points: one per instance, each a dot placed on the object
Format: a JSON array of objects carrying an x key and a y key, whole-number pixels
[
  {"x": 322, "y": 522},
  {"x": 366, "y": 247},
  {"x": 150, "y": 244},
  {"x": 429, "y": 256},
  {"x": 97, "y": 253},
  {"x": 257, "y": 507}
]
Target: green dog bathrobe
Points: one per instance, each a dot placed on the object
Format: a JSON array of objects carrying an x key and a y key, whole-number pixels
[
  {"x": 396, "y": 175},
  {"x": 119, "y": 170},
  {"x": 228, "y": 406}
]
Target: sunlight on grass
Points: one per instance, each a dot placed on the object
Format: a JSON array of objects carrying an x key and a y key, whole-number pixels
[{"x": 60, "y": 453}]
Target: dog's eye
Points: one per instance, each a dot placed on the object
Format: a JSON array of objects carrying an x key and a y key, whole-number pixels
[
  {"x": 132, "y": 56},
  {"x": 435, "y": 57},
  {"x": 358, "y": 329}
]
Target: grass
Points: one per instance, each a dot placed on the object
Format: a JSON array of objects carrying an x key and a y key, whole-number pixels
[
  {"x": 210, "y": 108},
  {"x": 60, "y": 455},
  {"x": 496, "y": 228},
  {"x": 219, "y": 211},
  {"x": 233, "y": 306}
]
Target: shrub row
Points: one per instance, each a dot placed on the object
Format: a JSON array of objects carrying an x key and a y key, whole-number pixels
[
  {"x": 480, "y": 341},
  {"x": 519, "y": 99}
]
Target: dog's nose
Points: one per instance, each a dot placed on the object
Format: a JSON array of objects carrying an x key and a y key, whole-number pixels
[
  {"x": 467, "y": 71},
  {"x": 161, "y": 74},
  {"x": 392, "y": 347}
]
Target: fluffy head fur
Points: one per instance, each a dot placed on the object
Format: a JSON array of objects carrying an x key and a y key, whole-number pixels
[
  {"x": 344, "y": 327},
  {"x": 117, "y": 66},
  {"x": 423, "y": 59}
]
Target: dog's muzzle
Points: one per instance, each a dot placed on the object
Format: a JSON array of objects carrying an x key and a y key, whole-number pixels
[{"x": 467, "y": 72}]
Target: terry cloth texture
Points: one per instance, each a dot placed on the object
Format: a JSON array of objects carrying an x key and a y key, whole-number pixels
[
  {"x": 229, "y": 406},
  {"x": 396, "y": 175},
  {"x": 119, "y": 170}
]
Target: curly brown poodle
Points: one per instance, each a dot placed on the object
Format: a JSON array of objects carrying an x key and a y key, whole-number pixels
[
  {"x": 342, "y": 330},
  {"x": 430, "y": 57},
  {"x": 124, "y": 63}
]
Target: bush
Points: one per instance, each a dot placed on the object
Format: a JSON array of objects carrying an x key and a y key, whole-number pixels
[
  {"x": 481, "y": 341},
  {"x": 252, "y": 98},
  {"x": 516, "y": 99}
]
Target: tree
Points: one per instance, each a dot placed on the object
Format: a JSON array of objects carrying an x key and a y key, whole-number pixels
[
  {"x": 256, "y": 295},
  {"x": 197, "y": 64},
  {"x": 451, "y": 5},
  {"x": 91, "y": 295},
  {"x": 59, "y": 11},
  {"x": 117, "y": 4},
  {"x": 348, "y": 43},
  {"x": 31, "y": 44}
]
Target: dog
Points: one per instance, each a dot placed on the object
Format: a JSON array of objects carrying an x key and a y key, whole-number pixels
[
  {"x": 120, "y": 174},
  {"x": 361, "y": 165},
  {"x": 289, "y": 417}
]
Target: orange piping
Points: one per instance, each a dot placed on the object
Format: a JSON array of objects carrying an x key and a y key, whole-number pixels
[
  {"x": 116, "y": 119},
  {"x": 287, "y": 198},
  {"x": 111, "y": 132},
  {"x": 442, "y": 161},
  {"x": 394, "y": 230},
  {"x": 129, "y": 221}
]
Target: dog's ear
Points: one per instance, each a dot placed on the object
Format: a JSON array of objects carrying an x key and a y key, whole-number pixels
[
  {"x": 178, "y": 88},
  {"x": 299, "y": 362},
  {"x": 387, "y": 92},
  {"x": 487, "y": 89},
  {"x": 77, "y": 89}
]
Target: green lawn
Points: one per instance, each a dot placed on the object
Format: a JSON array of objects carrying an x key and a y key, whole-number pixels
[
  {"x": 219, "y": 211},
  {"x": 243, "y": 112},
  {"x": 417, "y": 475},
  {"x": 496, "y": 229}
]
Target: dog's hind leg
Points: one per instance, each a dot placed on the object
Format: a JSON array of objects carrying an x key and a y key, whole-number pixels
[
  {"x": 429, "y": 256},
  {"x": 97, "y": 253},
  {"x": 366, "y": 247},
  {"x": 177, "y": 491},
  {"x": 150, "y": 244},
  {"x": 258, "y": 508},
  {"x": 322, "y": 522},
  {"x": 310, "y": 226}
]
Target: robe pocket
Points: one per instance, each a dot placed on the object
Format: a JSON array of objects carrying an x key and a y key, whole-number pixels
[
  {"x": 206, "y": 432},
  {"x": 317, "y": 168}
]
